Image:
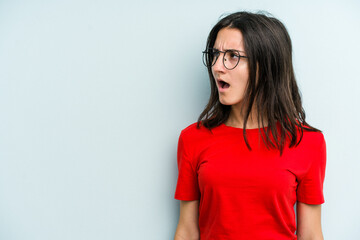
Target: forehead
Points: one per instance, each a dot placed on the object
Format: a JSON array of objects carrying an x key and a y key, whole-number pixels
[{"x": 229, "y": 38}]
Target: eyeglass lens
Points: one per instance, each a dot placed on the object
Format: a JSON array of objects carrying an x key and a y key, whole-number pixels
[{"x": 230, "y": 59}]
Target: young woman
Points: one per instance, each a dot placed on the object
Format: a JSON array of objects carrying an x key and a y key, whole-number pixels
[{"x": 251, "y": 155}]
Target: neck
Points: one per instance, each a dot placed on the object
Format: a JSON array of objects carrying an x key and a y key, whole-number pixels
[{"x": 237, "y": 116}]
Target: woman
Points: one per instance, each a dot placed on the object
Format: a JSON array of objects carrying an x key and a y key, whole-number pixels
[{"x": 251, "y": 155}]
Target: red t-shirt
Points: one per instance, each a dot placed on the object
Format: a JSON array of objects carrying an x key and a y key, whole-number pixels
[{"x": 248, "y": 194}]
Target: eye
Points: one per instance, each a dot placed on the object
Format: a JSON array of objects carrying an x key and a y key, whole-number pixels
[
  {"x": 214, "y": 52},
  {"x": 233, "y": 54}
]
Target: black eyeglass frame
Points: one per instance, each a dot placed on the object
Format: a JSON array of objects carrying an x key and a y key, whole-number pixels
[{"x": 218, "y": 54}]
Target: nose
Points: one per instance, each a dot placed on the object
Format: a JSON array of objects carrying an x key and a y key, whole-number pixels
[{"x": 219, "y": 66}]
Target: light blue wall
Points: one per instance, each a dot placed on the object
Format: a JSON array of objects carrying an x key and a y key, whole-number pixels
[{"x": 93, "y": 95}]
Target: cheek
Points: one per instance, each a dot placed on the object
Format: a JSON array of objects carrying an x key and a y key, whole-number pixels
[{"x": 240, "y": 79}]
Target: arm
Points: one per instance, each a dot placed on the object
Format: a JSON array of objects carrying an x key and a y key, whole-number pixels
[
  {"x": 188, "y": 226},
  {"x": 309, "y": 221}
]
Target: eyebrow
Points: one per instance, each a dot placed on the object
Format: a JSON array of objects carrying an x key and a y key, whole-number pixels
[{"x": 229, "y": 49}]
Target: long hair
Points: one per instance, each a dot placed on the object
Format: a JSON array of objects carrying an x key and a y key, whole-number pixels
[{"x": 275, "y": 94}]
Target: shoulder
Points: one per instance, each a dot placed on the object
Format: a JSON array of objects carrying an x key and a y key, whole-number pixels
[
  {"x": 193, "y": 132},
  {"x": 190, "y": 128},
  {"x": 312, "y": 139},
  {"x": 193, "y": 128}
]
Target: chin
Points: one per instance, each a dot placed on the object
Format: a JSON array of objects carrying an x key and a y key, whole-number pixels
[
  {"x": 227, "y": 102},
  {"x": 224, "y": 102}
]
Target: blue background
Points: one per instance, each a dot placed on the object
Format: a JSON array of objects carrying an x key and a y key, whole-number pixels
[{"x": 94, "y": 94}]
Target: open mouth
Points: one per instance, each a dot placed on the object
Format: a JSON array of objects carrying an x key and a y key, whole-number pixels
[{"x": 223, "y": 84}]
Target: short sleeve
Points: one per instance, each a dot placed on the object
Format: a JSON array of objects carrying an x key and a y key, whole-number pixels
[
  {"x": 310, "y": 187},
  {"x": 187, "y": 187}
]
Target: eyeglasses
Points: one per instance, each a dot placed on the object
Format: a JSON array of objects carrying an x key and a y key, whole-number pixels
[{"x": 231, "y": 57}]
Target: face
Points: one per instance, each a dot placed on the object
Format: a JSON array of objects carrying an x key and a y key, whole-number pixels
[{"x": 237, "y": 78}]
